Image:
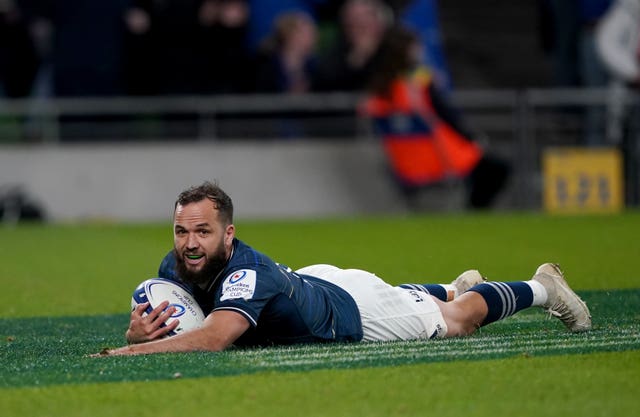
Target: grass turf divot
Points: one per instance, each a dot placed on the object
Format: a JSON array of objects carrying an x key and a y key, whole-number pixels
[{"x": 46, "y": 351}]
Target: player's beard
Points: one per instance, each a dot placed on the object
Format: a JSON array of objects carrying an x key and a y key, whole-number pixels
[{"x": 210, "y": 269}]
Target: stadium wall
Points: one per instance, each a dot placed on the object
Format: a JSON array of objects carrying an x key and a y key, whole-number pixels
[{"x": 139, "y": 182}]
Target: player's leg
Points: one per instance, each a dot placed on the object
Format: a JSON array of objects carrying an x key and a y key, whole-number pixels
[
  {"x": 444, "y": 292},
  {"x": 464, "y": 315},
  {"x": 448, "y": 292},
  {"x": 492, "y": 301}
]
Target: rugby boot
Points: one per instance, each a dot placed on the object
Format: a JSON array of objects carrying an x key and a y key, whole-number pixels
[
  {"x": 562, "y": 302},
  {"x": 467, "y": 280}
]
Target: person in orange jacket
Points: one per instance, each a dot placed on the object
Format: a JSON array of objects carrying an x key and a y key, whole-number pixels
[{"x": 420, "y": 133}]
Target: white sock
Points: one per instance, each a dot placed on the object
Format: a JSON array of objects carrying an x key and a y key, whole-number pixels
[{"x": 539, "y": 292}]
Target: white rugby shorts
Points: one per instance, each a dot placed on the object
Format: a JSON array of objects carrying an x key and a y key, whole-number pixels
[{"x": 387, "y": 312}]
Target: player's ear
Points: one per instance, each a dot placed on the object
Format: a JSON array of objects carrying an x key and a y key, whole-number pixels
[{"x": 229, "y": 234}]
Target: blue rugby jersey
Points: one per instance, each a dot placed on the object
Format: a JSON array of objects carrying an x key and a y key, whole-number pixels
[{"x": 283, "y": 307}]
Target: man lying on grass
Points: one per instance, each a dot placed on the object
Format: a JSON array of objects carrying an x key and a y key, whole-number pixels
[{"x": 318, "y": 303}]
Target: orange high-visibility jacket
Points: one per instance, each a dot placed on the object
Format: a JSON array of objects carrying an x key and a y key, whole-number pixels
[{"x": 421, "y": 148}]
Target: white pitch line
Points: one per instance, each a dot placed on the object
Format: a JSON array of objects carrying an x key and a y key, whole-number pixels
[
  {"x": 444, "y": 344},
  {"x": 420, "y": 350}
]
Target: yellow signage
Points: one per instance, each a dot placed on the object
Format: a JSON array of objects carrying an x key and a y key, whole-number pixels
[{"x": 582, "y": 180}]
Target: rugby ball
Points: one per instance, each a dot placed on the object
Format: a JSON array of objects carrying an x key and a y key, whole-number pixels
[{"x": 157, "y": 290}]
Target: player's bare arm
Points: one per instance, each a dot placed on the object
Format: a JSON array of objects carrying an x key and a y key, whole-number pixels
[{"x": 220, "y": 329}]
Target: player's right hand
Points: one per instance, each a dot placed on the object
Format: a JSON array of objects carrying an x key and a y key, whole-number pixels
[{"x": 148, "y": 327}]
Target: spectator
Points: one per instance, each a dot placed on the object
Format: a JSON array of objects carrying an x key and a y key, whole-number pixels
[
  {"x": 187, "y": 47},
  {"x": 561, "y": 39},
  {"x": 618, "y": 42},
  {"x": 140, "y": 50},
  {"x": 349, "y": 63},
  {"x": 421, "y": 135},
  {"x": 18, "y": 58},
  {"x": 226, "y": 62},
  {"x": 88, "y": 40},
  {"x": 175, "y": 36},
  {"x": 422, "y": 17},
  {"x": 592, "y": 72},
  {"x": 287, "y": 60},
  {"x": 619, "y": 39},
  {"x": 570, "y": 39},
  {"x": 265, "y": 12}
]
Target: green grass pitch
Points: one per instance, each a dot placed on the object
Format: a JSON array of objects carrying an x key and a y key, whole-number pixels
[{"x": 66, "y": 291}]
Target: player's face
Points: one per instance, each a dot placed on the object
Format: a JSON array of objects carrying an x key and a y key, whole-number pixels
[{"x": 202, "y": 243}]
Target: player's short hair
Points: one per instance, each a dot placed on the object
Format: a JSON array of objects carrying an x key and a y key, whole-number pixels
[{"x": 211, "y": 191}]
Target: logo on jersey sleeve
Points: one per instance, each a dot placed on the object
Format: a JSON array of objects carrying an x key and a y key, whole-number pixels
[{"x": 240, "y": 284}]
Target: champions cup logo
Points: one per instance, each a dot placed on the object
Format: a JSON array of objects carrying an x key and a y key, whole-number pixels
[
  {"x": 239, "y": 284},
  {"x": 179, "y": 310},
  {"x": 238, "y": 276}
]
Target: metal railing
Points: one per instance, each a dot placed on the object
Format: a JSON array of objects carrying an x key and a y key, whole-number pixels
[
  {"x": 180, "y": 117},
  {"x": 515, "y": 123},
  {"x": 43, "y": 119}
]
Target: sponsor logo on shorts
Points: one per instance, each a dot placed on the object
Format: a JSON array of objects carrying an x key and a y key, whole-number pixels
[
  {"x": 439, "y": 332},
  {"x": 417, "y": 296}
]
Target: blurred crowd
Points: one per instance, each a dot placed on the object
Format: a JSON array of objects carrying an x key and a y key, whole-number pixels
[
  {"x": 596, "y": 44},
  {"x": 65, "y": 48},
  {"x": 391, "y": 49}
]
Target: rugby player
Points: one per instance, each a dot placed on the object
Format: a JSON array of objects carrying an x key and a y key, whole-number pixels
[{"x": 250, "y": 300}]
